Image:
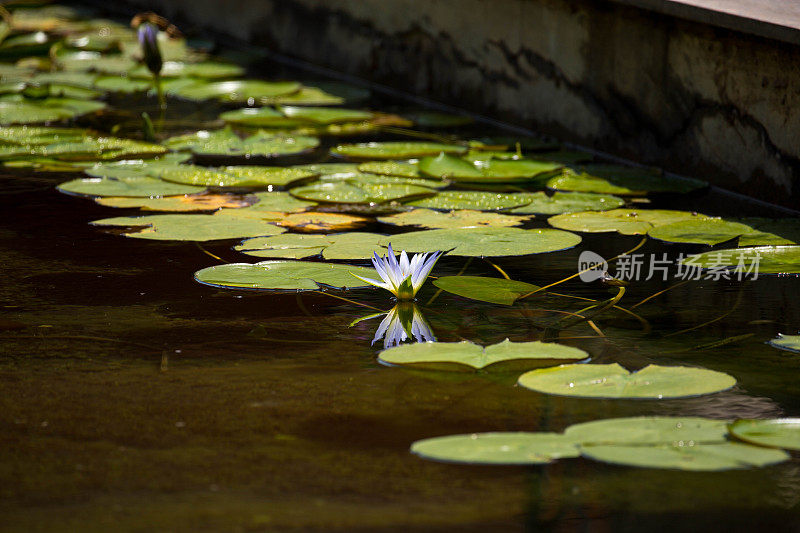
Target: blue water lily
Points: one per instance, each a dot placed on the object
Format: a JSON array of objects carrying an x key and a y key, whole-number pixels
[
  {"x": 405, "y": 277},
  {"x": 402, "y": 323}
]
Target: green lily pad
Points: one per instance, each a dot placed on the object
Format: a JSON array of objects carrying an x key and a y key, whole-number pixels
[
  {"x": 341, "y": 246},
  {"x": 178, "y": 204},
  {"x": 786, "y": 342},
  {"x": 465, "y": 218},
  {"x": 624, "y": 221},
  {"x": 182, "y": 69},
  {"x": 326, "y": 115},
  {"x": 273, "y": 202},
  {"x": 232, "y": 176},
  {"x": 121, "y": 84},
  {"x": 395, "y": 150},
  {"x": 225, "y": 143},
  {"x": 82, "y": 60},
  {"x": 131, "y": 186},
  {"x": 435, "y": 119},
  {"x": 93, "y": 149},
  {"x": 766, "y": 259},
  {"x": 325, "y": 169},
  {"x": 193, "y": 227},
  {"x": 504, "y": 171},
  {"x": 649, "y": 430},
  {"x": 567, "y": 202},
  {"x": 258, "y": 117},
  {"x": 485, "y": 242},
  {"x": 625, "y": 181},
  {"x": 261, "y": 92},
  {"x": 284, "y": 275},
  {"x": 697, "y": 457},
  {"x": 493, "y": 290},
  {"x": 349, "y": 191},
  {"x": 14, "y": 109},
  {"x": 390, "y": 168},
  {"x": 496, "y": 448},
  {"x": 476, "y": 200},
  {"x": 766, "y": 232},
  {"x": 703, "y": 231},
  {"x": 614, "y": 381},
  {"x": 774, "y": 433},
  {"x": 311, "y": 96},
  {"x": 135, "y": 168},
  {"x": 39, "y": 135},
  {"x": 475, "y": 356}
]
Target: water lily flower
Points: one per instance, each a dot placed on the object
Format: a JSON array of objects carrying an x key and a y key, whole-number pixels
[
  {"x": 402, "y": 278},
  {"x": 405, "y": 321},
  {"x": 148, "y": 40}
]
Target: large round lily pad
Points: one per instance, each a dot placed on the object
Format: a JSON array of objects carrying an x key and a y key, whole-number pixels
[
  {"x": 225, "y": 143},
  {"x": 14, "y": 109},
  {"x": 496, "y": 448},
  {"x": 464, "y": 218},
  {"x": 693, "y": 457},
  {"x": 270, "y": 202},
  {"x": 485, "y": 242},
  {"x": 192, "y": 227},
  {"x": 624, "y": 221},
  {"x": 614, "y": 381},
  {"x": 786, "y": 342},
  {"x": 257, "y": 91},
  {"x": 350, "y": 191},
  {"x": 137, "y": 187},
  {"x": 234, "y": 176},
  {"x": 775, "y": 433},
  {"x": 475, "y": 356},
  {"x": 283, "y": 275},
  {"x": 401, "y": 169},
  {"x": 476, "y": 200},
  {"x": 766, "y": 232},
  {"x": 649, "y": 430},
  {"x": 566, "y": 202},
  {"x": 451, "y": 167},
  {"x": 760, "y": 259},
  {"x": 493, "y": 290},
  {"x": 395, "y": 150},
  {"x": 626, "y": 181},
  {"x": 175, "y": 204},
  {"x": 703, "y": 231},
  {"x": 353, "y": 245}
]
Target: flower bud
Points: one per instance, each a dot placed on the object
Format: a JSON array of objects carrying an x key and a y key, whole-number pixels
[{"x": 148, "y": 39}]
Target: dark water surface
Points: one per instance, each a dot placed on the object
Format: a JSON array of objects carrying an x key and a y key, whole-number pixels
[{"x": 133, "y": 398}]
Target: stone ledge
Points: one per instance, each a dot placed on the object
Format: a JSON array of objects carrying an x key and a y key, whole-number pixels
[{"x": 772, "y": 19}]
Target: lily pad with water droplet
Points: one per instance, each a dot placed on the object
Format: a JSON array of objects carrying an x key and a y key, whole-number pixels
[
  {"x": 314, "y": 222},
  {"x": 341, "y": 246},
  {"x": 284, "y": 275},
  {"x": 699, "y": 457},
  {"x": 88, "y": 61},
  {"x": 135, "y": 168},
  {"x": 326, "y": 115},
  {"x": 786, "y": 342},
  {"x": 488, "y": 171},
  {"x": 185, "y": 203},
  {"x": 476, "y": 200},
  {"x": 329, "y": 168},
  {"x": 121, "y": 84},
  {"x": 127, "y": 186},
  {"x": 14, "y": 109},
  {"x": 395, "y": 150},
  {"x": 476, "y": 356},
  {"x": 391, "y": 168},
  {"x": 485, "y": 242},
  {"x": 348, "y": 191},
  {"x": 764, "y": 259},
  {"x": 624, "y": 221},
  {"x": 625, "y": 181},
  {"x": 261, "y": 92},
  {"x": 232, "y": 176},
  {"x": 703, "y": 231},
  {"x": 192, "y": 227},
  {"x": 649, "y": 430},
  {"x": 567, "y": 202},
  {"x": 225, "y": 143},
  {"x": 182, "y": 69},
  {"x": 501, "y": 448},
  {"x": 259, "y": 117},
  {"x": 465, "y": 218},
  {"x": 40, "y": 135},
  {"x": 774, "y": 433},
  {"x": 614, "y": 381},
  {"x": 493, "y": 290}
]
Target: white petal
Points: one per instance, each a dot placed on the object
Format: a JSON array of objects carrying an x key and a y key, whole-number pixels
[
  {"x": 374, "y": 282},
  {"x": 420, "y": 275},
  {"x": 404, "y": 264}
]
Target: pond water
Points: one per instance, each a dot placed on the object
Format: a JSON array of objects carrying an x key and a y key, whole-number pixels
[{"x": 135, "y": 398}]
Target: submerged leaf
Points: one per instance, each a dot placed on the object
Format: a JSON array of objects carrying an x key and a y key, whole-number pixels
[
  {"x": 493, "y": 290},
  {"x": 775, "y": 433}
]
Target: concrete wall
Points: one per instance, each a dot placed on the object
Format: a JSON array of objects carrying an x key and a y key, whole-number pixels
[{"x": 698, "y": 100}]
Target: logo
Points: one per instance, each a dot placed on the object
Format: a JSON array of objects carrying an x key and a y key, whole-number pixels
[{"x": 591, "y": 266}]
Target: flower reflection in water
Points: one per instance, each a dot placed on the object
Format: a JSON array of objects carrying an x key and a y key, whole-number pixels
[{"x": 404, "y": 322}]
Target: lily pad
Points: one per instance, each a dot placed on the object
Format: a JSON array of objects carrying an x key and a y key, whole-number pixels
[
  {"x": 465, "y": 218},
  {"x": 121, "y": 84},
  {"x": 395, "y": 150},
  {"x": 697, "y": 457},
  {"x": 343, "y": 246},
  {"x": 182, "y": 69},
  {"x": 504, "y": 171},
  {"x": 135, "y": 186},
  {"x": 233, "y": 176},
  {"x": 135, "y": 168},
  {"x": 475, "y": 356},
  {"x": 703, "y": 231},
  {"x": 625, "y": 181},
  {"x": 313, "y": 222},
  {"x": 185, "y": 203},
  {"x": 329, "y": 168},
  {"x": 496, "y": 448},
  {"x": 352, "y": 192},
  {"x": 260, "y": 92},
  {"x": 567, "y": 202},
  {"x": 225, "y": 143},
  {"x": 786, "y": 342},
  {"x": 764, "y": 259},
  {"x": 624, "y": 221},
  {"x": 259, "y": 117},
  {"x": 435, "y": 119},
  {"x": 283, "y": 275},
  {"x": 649, "y": 430},
  {"x": 14, "y": 109},
  {"x": 493, "y": 290},
  {"x": 192, "y": 227},
  {"x": 391, "y": 168},
  {"x": 767, "y": 232},
  {"x": 476, "y": 200},
  {"x": 774, "y": 433},
  {"x": 83, "y": 60},
  {"x": 614, "y": 381},
  {"x": 326, "y": 115},
  {"x": 485, "y": 242}
]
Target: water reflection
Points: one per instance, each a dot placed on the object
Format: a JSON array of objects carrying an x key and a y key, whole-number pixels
[{"x": 404, "y": 322}]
